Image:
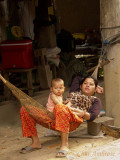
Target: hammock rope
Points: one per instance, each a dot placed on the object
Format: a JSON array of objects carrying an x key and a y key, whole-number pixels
[{"x": 35, "y": 109}]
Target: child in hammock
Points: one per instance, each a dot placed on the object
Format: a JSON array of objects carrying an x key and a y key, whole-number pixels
[{"x": 55, "y": 97}]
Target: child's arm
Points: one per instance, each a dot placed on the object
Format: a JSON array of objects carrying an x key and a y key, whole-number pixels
[
  {"x": 67, "y": 103},
  {"x": 55, "y": 99}
]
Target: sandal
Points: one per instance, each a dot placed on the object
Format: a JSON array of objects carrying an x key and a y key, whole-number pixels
[
  {"x": 28, "y": 149},
  {"x": 63, "y": 153}
]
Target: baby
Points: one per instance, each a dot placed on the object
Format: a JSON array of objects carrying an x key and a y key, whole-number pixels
[{"x": 55, "y": 97}]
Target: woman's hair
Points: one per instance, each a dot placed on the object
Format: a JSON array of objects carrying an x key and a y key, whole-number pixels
[{"x": 95, "y": 80}]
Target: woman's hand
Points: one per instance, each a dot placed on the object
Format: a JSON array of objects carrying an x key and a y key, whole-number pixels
[
  {"x": 99, "y": 89},
  {"x": 79, "y": 112}
]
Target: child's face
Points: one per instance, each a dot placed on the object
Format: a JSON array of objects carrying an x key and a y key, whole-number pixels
[
  {"x": 58, "y": 88},
  {"x": 88, "y": 87}
]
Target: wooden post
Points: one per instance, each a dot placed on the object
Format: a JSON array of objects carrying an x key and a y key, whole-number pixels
[
  {"x": 110, "y": 22},
  {"x": 44, "y": 72},
  {"x": 29, "y": 83}
]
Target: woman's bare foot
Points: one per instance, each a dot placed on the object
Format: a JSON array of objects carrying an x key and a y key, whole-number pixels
[
  {"x": 36, "y": 145},
  {"x": 35, "y": 142}
]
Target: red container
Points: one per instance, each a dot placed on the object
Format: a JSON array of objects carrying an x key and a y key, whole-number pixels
[{"x": 17, "y": 54}]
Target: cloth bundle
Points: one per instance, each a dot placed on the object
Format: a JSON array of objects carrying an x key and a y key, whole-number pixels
[{"x": 80, "y": 101}]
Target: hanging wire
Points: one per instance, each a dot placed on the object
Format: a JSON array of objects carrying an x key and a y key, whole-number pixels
[
  {"x": 103, "y": 55},
  {"x": 106, "y": 43}
]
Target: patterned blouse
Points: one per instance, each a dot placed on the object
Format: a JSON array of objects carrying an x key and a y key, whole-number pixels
[{"x": 80, "y": 101}]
